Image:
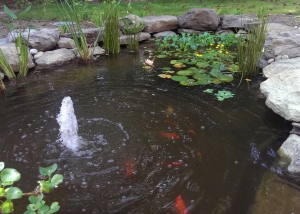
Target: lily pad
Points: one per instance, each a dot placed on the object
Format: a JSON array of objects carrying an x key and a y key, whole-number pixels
[
  {"x": 226, "y": 78},
  {"x": 188, "y": 82},
  {"x": 185, "y": 72},
  {"x": 179, "y": 65},
  {"x": 161, "y": 56},
  {"x": 147, "y": 66},
  {"x": 169, "y": 72},
  {"x": 233, "y": 68},
  {"x": 202, "y": 64},
  {"x": 209, "y": 90},
  {"x": 173, "y": 62},
  {"x": 221, "y": 95},
  {"x": 179, "y": 78},
  {"x": 164, "y": 76},
  {"x": 166, "y": 68}
]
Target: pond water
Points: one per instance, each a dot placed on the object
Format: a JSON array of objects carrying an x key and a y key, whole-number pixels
[{"x": 144, "y": 141}]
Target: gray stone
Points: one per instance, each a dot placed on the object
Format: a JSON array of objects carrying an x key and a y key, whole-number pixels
[
  {"x": 163, "y": 34},
  {"x": 155, "y": 24},
  {"x": 10, "y": 52},
  {"x": 282, "y": 40},
  {"x": 285, "y": 57},
  {"x": 281, "y": 66},
  {"x": 271, "y": 60},
  {"x": 33, "y": 51},
  {"x": 56, "y": 57},
  {"x": 42, "y": 40},
  {"x": 142, "y": 37},
  {"x": 66, "y": 43},
  {"x": 290, "y": 151},
  {"x": 279, "y": 57},
  {"x": 38, "y": 55},
  {"x": 238, "y": 21},
  {"x": 131, "y": 22},
  {"x": 282, "y": 92},
  {"x": 97, "y": 50},
  {"x": 202, "y": 19},
  {"x": 190, "y": 31},
  {"x": 91, "y": 34}
]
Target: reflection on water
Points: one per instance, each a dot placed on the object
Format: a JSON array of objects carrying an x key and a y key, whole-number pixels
[{"x": 145, "y": 141}]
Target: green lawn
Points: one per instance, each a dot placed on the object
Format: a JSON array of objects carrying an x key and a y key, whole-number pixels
[{"x": 176, "y": 7}]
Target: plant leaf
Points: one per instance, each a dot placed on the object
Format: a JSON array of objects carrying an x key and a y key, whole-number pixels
[
  {"x": 7, "y": 206},
  {"x": 9, "y": 175},
  {"x": 24, "y": 11},
  {"x": 57, "y": 179},
  {"x": 35, "y": 199},
  {"x": 44, "y": 209},
  {"x": 9, "y": 12},
  {"x": 179, "y": 78},
  {"x": 48, "y": 170},
  {"x": 14, "y": 193}
]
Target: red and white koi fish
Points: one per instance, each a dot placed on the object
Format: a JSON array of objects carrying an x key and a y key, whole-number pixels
[
  {"x": 180, "y": 205},
  {"x": 170, "y": 135}
]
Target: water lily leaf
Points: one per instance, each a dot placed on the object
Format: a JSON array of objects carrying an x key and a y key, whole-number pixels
[
  {"x": 193, "y": 69},
  {"x": 185, "y": 72},
  {"x": 210, "y": 91},
  {"x": 147, "y": 67},
  {"x": 179, "y": 78},
  {"x": 226, "y": 78},
  {"x": 166, "y": 68},
  {"x": 161, "y": 56},
  {"x": 9, "y": 175},
  {"x": 173, "y": 62},
  {"x": 188, "y": 82},
  {"x": 216, "y": 73},
  {"x": 221, "y": 95},
  {"x": 164, "y": 76},
  {"x": 169, "y": 72},
  {"x": 216, "y": 81},
  {"x": 14, "y": 193},
  {"x": 179, "y": 65},
  {"x": 7, "y": 206},
  {"x": 48, "y": 170},
  {"x": 202, "y": 76},
  {"x": 202, "y": 64},
  {"x": 233, "y": 68},
  {"x": 188, "y": 62},
  {"x": 203, "y": 82}
]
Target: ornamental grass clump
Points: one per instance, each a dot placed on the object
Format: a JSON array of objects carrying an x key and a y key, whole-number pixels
[
  {"x": 70, "y": 13},
  {"x": 111, "y": 22},
  {"x": 250, "y": 47},
  {"x": 132, "y": 32}
]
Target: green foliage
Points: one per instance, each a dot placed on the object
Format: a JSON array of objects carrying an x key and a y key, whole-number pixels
[
  {"x": 22, "y": 49},
  {"x": 111, "y": 30},
  {"x": 7, "y": 178},
  {"x": 221, "y": 95},
  {"x": 249, "y": 47}
]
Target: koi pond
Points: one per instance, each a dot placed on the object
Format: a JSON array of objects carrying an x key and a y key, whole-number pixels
[{"x": 145, "y": 142}]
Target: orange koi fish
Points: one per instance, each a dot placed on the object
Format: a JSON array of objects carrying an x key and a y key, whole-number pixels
[
  {"x": 129, "y": 169},
  {"x": 173, "y": 164},
  {"x": 170, "y": 135},
  {"x": 191, "y": 132},
  {"x": 174, "y": 124},
  {"x": 180, "y": 205}
]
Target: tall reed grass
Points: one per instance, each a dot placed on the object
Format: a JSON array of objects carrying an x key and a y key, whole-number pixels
[
  {"x": 111, "y": 30},
  {"x": 250, "y": 47},
  {"x": 132, "y": 32}
]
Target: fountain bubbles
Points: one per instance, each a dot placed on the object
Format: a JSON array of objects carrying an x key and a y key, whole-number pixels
[{"x": 68, "y": 124}]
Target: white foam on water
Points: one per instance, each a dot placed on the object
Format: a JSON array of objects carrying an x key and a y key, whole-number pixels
[{"x": 68, "y": 125}]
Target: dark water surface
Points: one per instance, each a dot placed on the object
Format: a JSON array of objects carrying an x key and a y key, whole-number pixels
[{"x": 125, "y": 163}]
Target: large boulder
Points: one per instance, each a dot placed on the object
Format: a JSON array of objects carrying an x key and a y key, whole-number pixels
[
  {"x": 10, "y": 52},
  {"x": 42, "y": 40},
  {"x": 68, "y": 43},
  {"x": 290, "y": 151},
  {"x": 155, "y": 24},
  {"x": 282, "y": 40},
  {"x": 131, "y": 23},
  {"x": 238, "y": 21},
  {"x": 56, "y": 57},
  {"x": 281, "y": 66},
  {"x": 283, "y": 94},
  {"x": 202, "y": 19},
  {"x": 91, "y": 34},
  {"x": 142, "y": 37}
]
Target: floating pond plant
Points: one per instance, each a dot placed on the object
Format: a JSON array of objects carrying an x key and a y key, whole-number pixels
[{"x": 221, "y": 95}]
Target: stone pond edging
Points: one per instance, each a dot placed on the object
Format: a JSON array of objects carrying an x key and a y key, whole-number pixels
[{"x": 280, "y": 61}]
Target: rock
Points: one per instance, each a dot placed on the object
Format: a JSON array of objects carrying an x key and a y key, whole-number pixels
[
  {"x": 226, "y": 31},
  {"x": 279, "y": 57},
  {"x": 202, "y": 19},
  {"x": 163, "y": 34},
  {"x": 56, "y": 57},
  {"x": 285, "y": 57},
  {"x": 271, "y": 60},
  {"x": 1, "y": 76},
  {"x": 42, "y": 40},
  {"x": 97, "y": 50},
  {"x": 282, "y": 92},
  {"x": 238, "y": 21},
  {"x": 290, "y": 151},
  {"x": 33, "y": 51},
  {"x": 281, "y": 66},
  {"x": 10, "y": 52},
  {"x": 154, "y": 24},
  {"x": 190, "y": 31},
  {"x": 66, "y": 43},
  {"x": 282, "y": 40},
  {"x": 142, "y": 37},
  {"x": 38, "y": 55},
  {"x": 91, "y": 34},
  {"x": 132, "y": 23}
]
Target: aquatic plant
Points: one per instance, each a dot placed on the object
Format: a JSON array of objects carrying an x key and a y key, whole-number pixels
[
  {"x": 5, "y": 66},
  {"x": 132, "y": 32},
  {"x": 22, "y": 48},
  {"x": 111, "y": 30},
  {"x": 221, "y": 95},
  {"x": 70, "y": 13},
  {"x": 250, "y": 46},
  {"x": 8, "y": 192}
]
